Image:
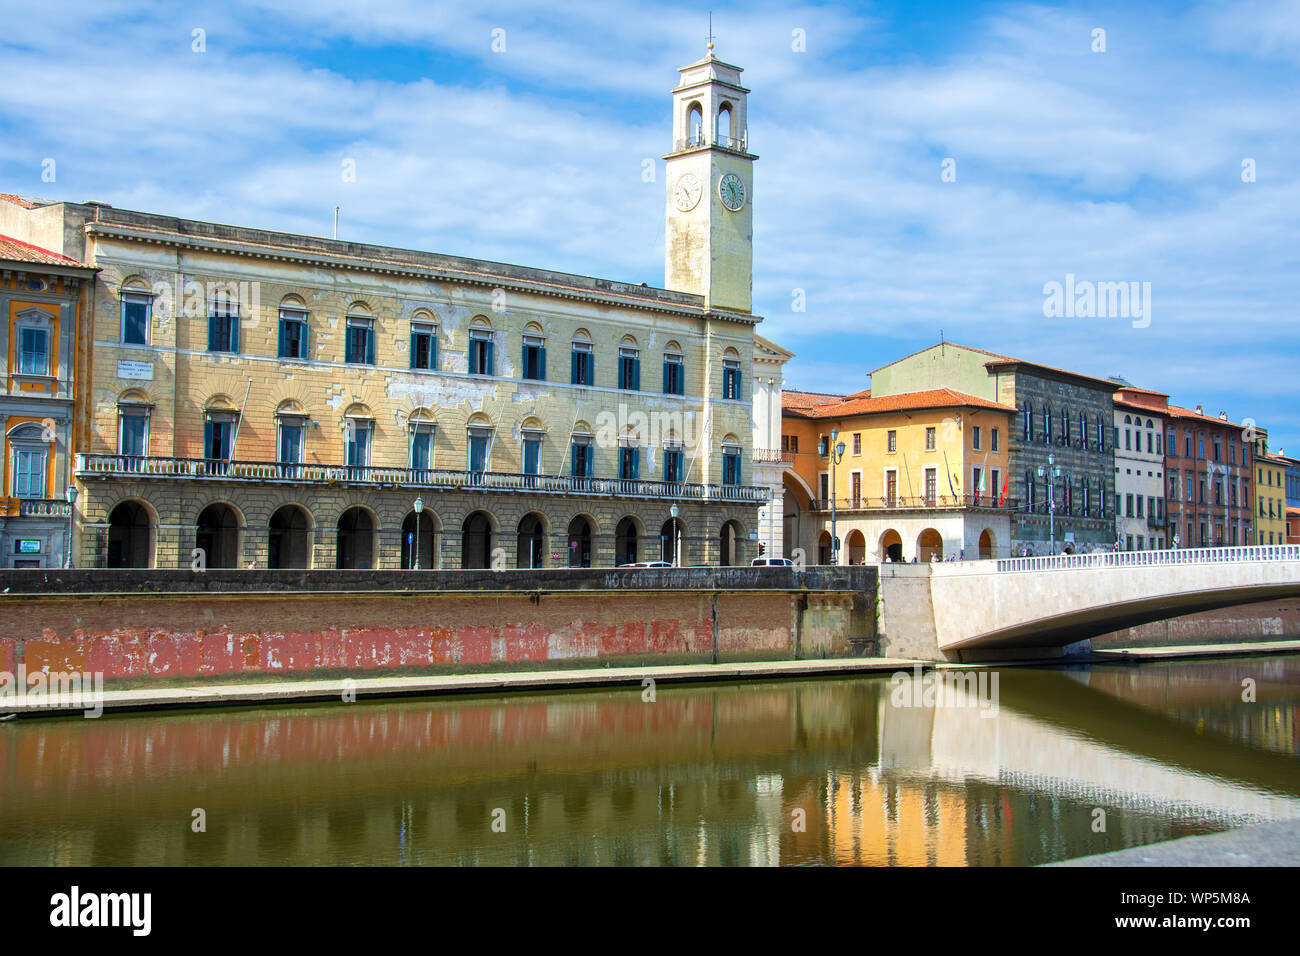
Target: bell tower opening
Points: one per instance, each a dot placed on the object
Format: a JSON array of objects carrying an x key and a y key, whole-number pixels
[{"x": 710, "y": 177}]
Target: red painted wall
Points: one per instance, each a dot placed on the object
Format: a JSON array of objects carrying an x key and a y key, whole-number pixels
[{"x": 171, "y": 636}]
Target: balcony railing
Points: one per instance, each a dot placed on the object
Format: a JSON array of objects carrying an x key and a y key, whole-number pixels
[
  {"x": 768, "y": 456},
  {"x": 1134, "y": 559},
  {"x": 916, "y": 503},
  {"x": 34, "y": 508},
  {"x": 126, "y": 466}
]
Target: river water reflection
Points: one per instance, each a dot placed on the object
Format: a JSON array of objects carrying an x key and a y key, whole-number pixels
[{"x": 802, "y": 772}]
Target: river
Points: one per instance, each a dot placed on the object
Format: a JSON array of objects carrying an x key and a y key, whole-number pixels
[{"x": 1052, "y": 763}]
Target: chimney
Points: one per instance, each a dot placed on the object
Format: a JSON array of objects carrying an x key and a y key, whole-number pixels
[
  {"x": 1199, "y": 410},
  {"x": 1223, "y": 416}
]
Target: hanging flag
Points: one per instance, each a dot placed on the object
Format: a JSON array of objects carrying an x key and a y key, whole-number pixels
[{"x": 1006, "y": 483}]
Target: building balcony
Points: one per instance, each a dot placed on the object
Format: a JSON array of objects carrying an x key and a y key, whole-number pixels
[
  {"x": 90, "y": 467},
  {"x": 34, "y": 508},
  {"x": 918, "y": 503},
  {"x": 766, "y": 456}
]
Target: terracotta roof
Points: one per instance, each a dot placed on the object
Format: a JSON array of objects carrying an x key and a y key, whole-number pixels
[
  {"x": 1146, "y": 391},
  {"x": 18, "y": 200},
  {"x": 796, "y": 400},
  {"x": 15, "y": 250},
  {"x": 1177, "y": 411},
  {"x": 1156, "y": 410},
  {"x": 930, "y": 398}
]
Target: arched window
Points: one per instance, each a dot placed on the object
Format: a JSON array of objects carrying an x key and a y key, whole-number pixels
[
  {"x": 480, "y": 443},
  {"x": 482, "y": 361},
  {"x": 723, "y": 129},
  {"x": 582, "y": 365},
  {"x": 534, "y": 353},
  {"x": 730, "y": 460},
  {"x": 137, "y": 311},
  {"x": 629, "y": 365},
  {"x": 695, "y": 125},
  {"x": 293, "y": 328},
  {"x": 133, "y": 410},
  {"x": 731, "y": 375},
  {"x": 359, "y": 346},
  {"x": 674, "y": 370},
  {"x": 1047, "y": 424},
  {"x": 424, "y": 341}
]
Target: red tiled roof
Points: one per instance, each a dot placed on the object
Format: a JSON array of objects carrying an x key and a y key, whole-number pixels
[
  {"x": 15, "y": 250},
  {"x": 17, "y": 200},
  {"x": 1177, "y": 411},
  {"x": 795, "y": 400},
  {"x": 930, "y": 398}
]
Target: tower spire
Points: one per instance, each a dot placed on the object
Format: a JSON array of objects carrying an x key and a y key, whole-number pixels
[{"x": 710, "y": 36}]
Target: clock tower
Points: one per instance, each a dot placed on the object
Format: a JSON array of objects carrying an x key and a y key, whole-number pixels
[{"x": 709, "y": 242}]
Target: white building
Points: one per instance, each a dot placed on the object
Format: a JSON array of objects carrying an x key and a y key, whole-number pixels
[
  {"x": 1139, "y": 469},
  {"x": 769, "y": 369}
]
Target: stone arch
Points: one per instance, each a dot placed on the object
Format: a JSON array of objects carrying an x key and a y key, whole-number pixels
[
  {"x": 359, "y": 307},
  {"x": 929, "y": 545},
  {"x": 988, "y": 544},
  {"x": 219, "y": 533},
  {"x": 674, "y": 540},
  {"x": 628, "y": 535},
  {"x": 581, "y": 543},
  {"x": 730, "y": 543},
  {"x": 532, "y": 532},
  {"x": 891, "y": 545},
  {"x": 694, "y": 122},
  {"x": 477, "y": 533},
  {"x": 857, "y": 545},
  {"x": 132, "y": 534},
  {"x": 356, "y": 538},
  {"x": 289, "y": 537},
  {"x": 824, "y": 548},
  {"x": 421, "y": 534}
]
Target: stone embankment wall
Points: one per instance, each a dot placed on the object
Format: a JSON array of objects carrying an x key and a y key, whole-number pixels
[
  {"x": 142, "y": 625},
  {"x": 1265, "y": 621}
]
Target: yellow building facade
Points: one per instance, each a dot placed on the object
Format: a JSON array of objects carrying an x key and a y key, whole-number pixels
[{"x": 920, "y": 475}]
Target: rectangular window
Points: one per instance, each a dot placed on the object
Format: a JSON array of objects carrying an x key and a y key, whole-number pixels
[
  {"x": 29, "y": 472},
  {"x": 136, "y": 310},
  {"x": 976, "y": 475},
  {"x": 357, "y": 443},
  {"x": 1200, "y": 447},
  {"x": 731, "y": 379},
  {"x": 132, "y": 435},
  {"x": 931, "y": 485},
  {"x": 532, "y": 454},
  {"x": 891, "y": 442},
  {"x": 582, "y": 459},
  {"x": 360, "y": 346},
  {"x": 216, "y": 439},
  {"x": 293, "y": 334},
  {"x": 929, "y": 438},
  {"x": 1138, "y": 502},
  {"x": 534, "y": 366},
  {"x": 674, "y": 374},
  {"x": 582, "y": 365},
  {"x": 993, "y": 440},
  {"x": 674, "y": 465},
  {"x": 995, "y": 486},
  {"x": 1187, "y": 442},
  {"x": 730, "y": 465},
  {"x": 1128, "y": 440},
  {"x": 424, "y": 347},
  {"x": 857, "y": 443},
  {"x": 1201, "y": 488},
  {"x": 223, "y": 326},
  {"x": 975, "y": 438},
  {"x": 790, "y": 443},
  {"x": 34, "y": 352},
  {"x": 481, "y": 358},
  {"x": 478, "y": 452},
  {"x": 1128, "y": 506},
  {"x": 629, "y": 463},
  {"x": 629, "y": 369},
  {"x": 891, "y": 487},
  {"x": 421, "y": 447},
  {"x": 291, "y": 442},
  {"x": 825, "y": 487},
  {"x": 855, "y": 488}
]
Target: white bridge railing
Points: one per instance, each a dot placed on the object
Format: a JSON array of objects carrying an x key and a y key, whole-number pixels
[{"x": 1145, "y": 559}]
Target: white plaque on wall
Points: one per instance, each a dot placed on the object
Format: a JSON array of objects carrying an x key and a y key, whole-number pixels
[{"x": 140, "y": 370}]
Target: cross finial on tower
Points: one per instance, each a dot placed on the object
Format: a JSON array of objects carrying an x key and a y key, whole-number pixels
[{"x": 710, "y": 36}]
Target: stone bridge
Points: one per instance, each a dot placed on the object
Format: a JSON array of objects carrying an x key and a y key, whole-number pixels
[{"x": 1027, "y": 607}]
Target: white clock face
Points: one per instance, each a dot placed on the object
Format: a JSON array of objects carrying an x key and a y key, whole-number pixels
[
  {"x": 686, "y": 194},
  {"x": 731, "y": 190}
]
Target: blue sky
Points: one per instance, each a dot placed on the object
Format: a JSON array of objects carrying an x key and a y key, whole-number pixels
[{"x": 1123, "y": 165}]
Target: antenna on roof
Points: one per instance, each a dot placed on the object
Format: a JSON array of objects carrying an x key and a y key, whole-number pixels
[
  {"x": 710, "y": 36},
  {"x": 336, "y": 222}
]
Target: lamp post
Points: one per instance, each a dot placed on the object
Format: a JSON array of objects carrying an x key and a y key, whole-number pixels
[
  {"x": 71, "y": 495},
  {"x": 419, "y": 506},
  {"x": 835, "y": 454},
  {"x": 1051, "y": 472},
  {"x": 677, "y": 539}
]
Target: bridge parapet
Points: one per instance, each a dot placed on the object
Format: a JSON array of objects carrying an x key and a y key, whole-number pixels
[{"x": 1144, "y": 559}]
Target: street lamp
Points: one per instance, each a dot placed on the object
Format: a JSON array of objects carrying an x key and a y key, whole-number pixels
[
  {"x": 835, "y": 453},
  {"x": 419, "y": 506},
  {"x": 1051, "y": 472},
  {"x": 71, "y": 495},
  {"x": 677, "y": 539}
]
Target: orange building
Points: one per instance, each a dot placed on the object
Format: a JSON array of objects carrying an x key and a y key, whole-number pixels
[
  {"x": 41, "y": 296},
  {"x": 915, "y": 475}
]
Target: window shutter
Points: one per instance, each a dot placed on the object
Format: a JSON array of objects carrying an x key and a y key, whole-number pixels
[
  {"x": 433, "y": 349},
  {"x": 735, "y": 380},
  {"x": 489, "y": 365},
  {"x": 541, "y": 362},
  {"x": 622, "y": 372},
  {"x": 370, "y": 346},
  {"x": 573, "y": 366},
  {"x": 212, "y": 333},
  {"x": 636, "y": 375},
  {"x": 668, "y": 385},
  {"x": 414, "y": 349},
  {"x": 523, "y": 362},
  {"x": 208, "y": 440},
  {"x": 636, "y": 463},
  {"x": 234, "y": 333},
  {"x": 281, "y": 347}
]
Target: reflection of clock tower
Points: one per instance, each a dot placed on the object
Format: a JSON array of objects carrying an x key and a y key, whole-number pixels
[{"x": 710, "y": 237}]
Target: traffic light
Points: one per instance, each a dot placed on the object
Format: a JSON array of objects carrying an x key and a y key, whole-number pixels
[{"x": 762, "y": 549}]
